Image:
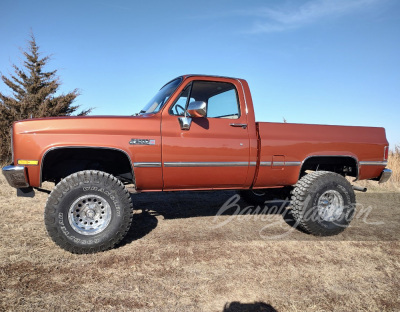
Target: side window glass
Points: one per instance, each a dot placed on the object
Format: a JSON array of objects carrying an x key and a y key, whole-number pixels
[
  {"x": 223, "y": 105},
  {"x": 221, "y": 98}
]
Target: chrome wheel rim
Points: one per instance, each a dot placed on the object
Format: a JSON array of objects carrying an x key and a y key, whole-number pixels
[
  {"x": 89, "y": 215},
  {"x": 330, "y": 205}
]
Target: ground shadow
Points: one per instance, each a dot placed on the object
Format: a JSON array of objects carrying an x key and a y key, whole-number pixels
[
  {"x": 248, "y": 307},
  {"x": 191, "y": 204},
  {"x": 142, "y": 224}
]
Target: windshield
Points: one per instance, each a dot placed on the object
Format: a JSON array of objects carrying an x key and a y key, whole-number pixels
[{"x": 161, "y": 97}]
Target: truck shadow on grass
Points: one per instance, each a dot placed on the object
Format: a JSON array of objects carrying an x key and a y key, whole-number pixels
[
  {"x": 248, "y": 307},
  {"x": 189, "y": 204}
]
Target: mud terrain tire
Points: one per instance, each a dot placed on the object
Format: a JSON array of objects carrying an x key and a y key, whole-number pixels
[
  {"x": 323, "y": 203},
  {"x": 88, "y": 211}
]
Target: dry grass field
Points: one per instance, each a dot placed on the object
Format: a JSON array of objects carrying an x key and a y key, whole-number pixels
[
  {"x": 176, "y": 258},
  {"x": 394, "y": 183}
]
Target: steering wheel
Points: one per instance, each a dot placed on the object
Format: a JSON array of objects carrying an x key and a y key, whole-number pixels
[{"x": 180, "y": 107}]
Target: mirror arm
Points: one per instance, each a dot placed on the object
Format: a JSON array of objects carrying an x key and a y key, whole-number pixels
[{"x": 185, "y": 122}]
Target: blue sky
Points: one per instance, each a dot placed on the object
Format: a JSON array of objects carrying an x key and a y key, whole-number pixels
[{"x": 315, "y": 61}]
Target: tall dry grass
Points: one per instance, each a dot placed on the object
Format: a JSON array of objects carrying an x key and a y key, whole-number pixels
[
  {"x": 394, "y": 182},
  {"x": 394, "y": 165}
]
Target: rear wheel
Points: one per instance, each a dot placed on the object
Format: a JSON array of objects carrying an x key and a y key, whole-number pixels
[
  {"x": 323, "y": 203},
  {"x": 88, "y": 211}
]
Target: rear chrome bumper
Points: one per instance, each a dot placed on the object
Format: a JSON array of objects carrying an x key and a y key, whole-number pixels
[
  {"x": 385, "y": 175},
  {"x": 16, "y": 176}
]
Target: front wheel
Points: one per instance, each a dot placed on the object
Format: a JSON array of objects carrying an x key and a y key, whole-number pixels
[
  {"x": 88, "y": 211},
  {"x": 323, "y": 203}
]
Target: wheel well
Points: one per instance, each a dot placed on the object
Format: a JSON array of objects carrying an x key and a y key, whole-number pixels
[
  {"x": 61, "y": 162},
  {"x": 344, "y": 165}
]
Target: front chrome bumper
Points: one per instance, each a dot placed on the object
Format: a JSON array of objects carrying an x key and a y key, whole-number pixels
[
  {"x": 385, "y": 175},
  {"x": 16, "y": 176}
]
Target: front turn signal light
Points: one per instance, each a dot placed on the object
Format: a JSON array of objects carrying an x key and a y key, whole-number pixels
[{"x": 28, "y": 162}]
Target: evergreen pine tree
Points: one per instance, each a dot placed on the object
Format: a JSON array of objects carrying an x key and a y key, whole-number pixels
[{"x": 33, "y": 96}]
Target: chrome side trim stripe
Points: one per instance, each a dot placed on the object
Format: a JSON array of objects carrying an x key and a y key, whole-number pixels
[
  {"x": 373, "y": 163},
  {"x": 214, "y": 164},
  {"x": 281, "y": 163},
  {"x": 207, "y": 164},
  {"x": 147, "y": 164},
  {"x": 292, "y": 163}
]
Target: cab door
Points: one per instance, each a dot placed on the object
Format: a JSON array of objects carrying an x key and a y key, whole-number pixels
[{"x": 214, "y": 152}]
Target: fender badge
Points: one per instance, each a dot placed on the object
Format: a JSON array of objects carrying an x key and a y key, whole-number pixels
[{"x": 142, "y": 142}]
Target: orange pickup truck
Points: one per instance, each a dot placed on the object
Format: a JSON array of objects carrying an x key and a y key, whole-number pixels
[{"x": 197, "y": 133}]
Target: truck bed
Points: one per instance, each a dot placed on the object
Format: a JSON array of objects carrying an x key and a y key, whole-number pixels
[{"x": 284, "y": 147}]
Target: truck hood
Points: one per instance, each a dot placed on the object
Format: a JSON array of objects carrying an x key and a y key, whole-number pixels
[{"x": 82, "y": 125}]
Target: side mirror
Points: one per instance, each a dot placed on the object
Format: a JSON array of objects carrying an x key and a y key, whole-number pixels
[{"x": 197, "y": 109}]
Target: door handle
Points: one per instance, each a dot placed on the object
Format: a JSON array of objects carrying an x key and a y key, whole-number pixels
[{"x": 244, "y": 126}]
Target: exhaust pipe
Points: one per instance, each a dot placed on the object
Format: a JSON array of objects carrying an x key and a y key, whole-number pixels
[{"x": 359, "y": 188}]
